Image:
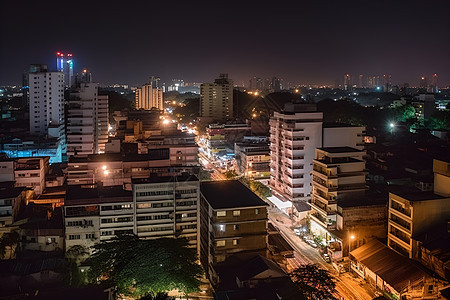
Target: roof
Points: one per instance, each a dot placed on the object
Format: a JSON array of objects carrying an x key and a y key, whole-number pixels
[
  {"x": 154, "y": 154},
  {"x": 301, "y": 206},
  {"x": 12, "y": 192},
  {"x": 76, "y": 195},
  {"x": 362, "y": 200},
  {"x": 229, "y": 194},
  {"x": 437, "y": 241},
  {"x": 338, "y": 125},
  {"x": 256, "y": 266},
  {"x": 279, "y": 243},
  {"x": 397, "y": 270},
  {"x": 340, "y": 149},
  {"x": 418, "y": 195},
  {"x": 160, "y": 179}
]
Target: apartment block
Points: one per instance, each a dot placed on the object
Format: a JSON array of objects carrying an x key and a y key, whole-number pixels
[
  {"x": 338, "y": 173},
  {"x": 12, "y": 199},
  {"x": 149, "y": 96},
  {"x": 343, "y": 135},
  {"x": 414, "y": 212},
  {"x": 233, "y": 221},
  {"x": 167, "y": 206},
  {"x": 295, "y": 133},
  {"x": 31, "y": 172},
  {"x": 95, "y": 214},
  {"x": 216, "y": 99},
  {"x": 87, "y": 120},
  {"x": 253, "y": 158}
]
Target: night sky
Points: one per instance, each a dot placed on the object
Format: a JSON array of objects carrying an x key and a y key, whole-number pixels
[{"x": 307, "y": 42}]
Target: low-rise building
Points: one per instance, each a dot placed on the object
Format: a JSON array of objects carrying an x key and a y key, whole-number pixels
[
  {"x": 167, "y": 206},
  {"x": 394, "y": 275},
  {"x": 12, "y": 199},
  {"x": 31, "y": 172},
  {"x": 412, "y": 212},
  {"x": 233, "y": 221},
  {"x": 95, "y": 214},
  {"x": 253, "y": 158}
]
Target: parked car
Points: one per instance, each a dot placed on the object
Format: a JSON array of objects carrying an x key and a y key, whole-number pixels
[
  {"x": 312, "y": 243},
  {"x": 326, "y": 257},
  {"x": 306, "y": 238},
  {"x": 297, "y": 231}
]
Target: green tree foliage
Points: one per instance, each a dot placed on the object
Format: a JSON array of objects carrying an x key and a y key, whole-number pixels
[
  {"x": 75, "y": 255},
  {"x": 204, "y": 175},
  {"x": 145, "y": 267},
  {"x": 230, "y": 174},
  {"x": 257, "y": 187},
  {"x": 316, "y": 283},
  {"x": 440, "y": 120},
  {"x": 9, "y": 241}
]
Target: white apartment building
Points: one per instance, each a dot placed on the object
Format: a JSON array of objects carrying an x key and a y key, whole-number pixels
[
  {"x": 96, "y": 214},
  {"x": 216, "y": 99},
  {"x": 87, "y": 121},
  {"x": 295, "y": 133},
  {"x": 338, "y": 173},
  {"x": 46, "y": 103},
  {"x": 149, "y": 96},
  {"x": 167, "y": 207},
  {"x": 30, "y": 172},
  {"x": 156, "y": 207}
]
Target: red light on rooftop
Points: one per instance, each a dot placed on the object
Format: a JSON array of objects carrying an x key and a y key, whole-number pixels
[
  {"x": 58, "y": 53},
  {"x": 69, "y": 54}
]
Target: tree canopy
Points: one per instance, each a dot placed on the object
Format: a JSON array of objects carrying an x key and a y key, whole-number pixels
[
  {"x": 317, "y": 283},
  {"x": 145, "y": 267}
]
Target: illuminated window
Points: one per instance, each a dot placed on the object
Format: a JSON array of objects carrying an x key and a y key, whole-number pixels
[
  {"x": 221, "y": 227},
  {"x": 236, "y": 213},
  {"x": 235, "y": 242},
  {"x": 220, "y": 243},
  {"x": 222, "y": 213}
]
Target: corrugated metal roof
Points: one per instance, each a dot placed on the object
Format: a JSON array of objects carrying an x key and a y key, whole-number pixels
[{"x": 397, "y": 270}]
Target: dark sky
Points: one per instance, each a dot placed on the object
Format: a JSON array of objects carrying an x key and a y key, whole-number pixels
[{"x": 311, "y": 42}]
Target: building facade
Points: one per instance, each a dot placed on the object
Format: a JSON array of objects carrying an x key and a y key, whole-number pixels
[
  {"x": 46, "y": 105},
  {"x": 295, "y": 133},
  {"x": 233, "y": 221},
  {"x": 216, "y": 99},
  {"x": 149, "y": 96},
  {"x": 87, "y": 121}
]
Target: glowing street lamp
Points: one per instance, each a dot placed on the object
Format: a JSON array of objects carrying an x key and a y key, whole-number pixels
[{"x": 351, "y": 238}]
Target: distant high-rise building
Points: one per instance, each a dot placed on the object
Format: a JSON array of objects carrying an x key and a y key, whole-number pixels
[
  {"x": 64, "y": 63},
  {"x": 150, "y": 95},
  {"x": 256, "y": 83},
  {"x": 361, "y": 81},
  {"x": 387, "y": 82},
  {"x": 84, "y": 77},
  {"x": 275, "y": 84},
  {"x": 216, "y": 99},
  {"x": 46, "y": 104},
  {"x": 434, "y": 84},
  {"x": 87, "y": 120},
  {"x": 347, "y": 82}
]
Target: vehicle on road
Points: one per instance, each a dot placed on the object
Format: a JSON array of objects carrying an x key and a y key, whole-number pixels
[
  {"x": 326, "y": 257},
  {"x": 297, "y": 231},
  {"x": 312, "y": 243}
]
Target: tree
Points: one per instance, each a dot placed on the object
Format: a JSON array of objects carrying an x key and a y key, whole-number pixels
[
  {"x": 257, "y": 187},
  {"x": 230, "y": 174},
  {"x": 316, "y": 283},
  {"x": 75, "y": 255},
  {"x": 145, "y": 267},
  {"x": 9, "y": 241}
]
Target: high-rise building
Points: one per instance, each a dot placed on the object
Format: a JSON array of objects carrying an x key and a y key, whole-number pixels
[
  {"x": 361, "y": 84},
  {"x": 150, "y": 95},
  {"x": 64, "y": 64},
  {"x": 434, "y": 84},
  {"x": 347, "y": 82},
  {"x": 87, "y": 121},
  {"x": 295, "y": 133},
  {"x": 256, "y": 83},
  {"x": 423, "y": 83},
  {"x": 216, "y": 99},
  {"x": 47, "y": 103}
]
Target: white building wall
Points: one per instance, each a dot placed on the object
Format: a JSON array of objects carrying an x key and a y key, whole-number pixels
[{"x": 344, "y": 136}]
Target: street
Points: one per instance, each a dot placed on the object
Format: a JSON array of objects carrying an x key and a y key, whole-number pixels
[{"x": 348, "y": 286}]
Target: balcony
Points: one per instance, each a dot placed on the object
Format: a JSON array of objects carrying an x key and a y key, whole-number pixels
[
  {"x": 400, "y": 209},
  {"x": 400, "y": 223},
  {"x": 400, "y": 235}
]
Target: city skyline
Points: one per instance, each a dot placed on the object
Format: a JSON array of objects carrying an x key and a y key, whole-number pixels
[{"x": 303, "y": 43}]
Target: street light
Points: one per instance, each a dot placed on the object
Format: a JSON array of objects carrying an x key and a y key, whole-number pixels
[{"x": 352, "y": 237}]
